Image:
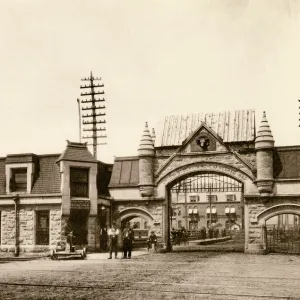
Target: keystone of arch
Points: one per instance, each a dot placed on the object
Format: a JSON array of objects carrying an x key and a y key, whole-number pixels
[
  {"x": 275, "y": 210},
  {"x": 133, "y": 212}
]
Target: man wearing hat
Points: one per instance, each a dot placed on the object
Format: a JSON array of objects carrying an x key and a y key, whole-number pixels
[
  {"x": 113, "y": 233},
  {"x": 152, "y": 240},
  {"x": 128, "y": 236}
]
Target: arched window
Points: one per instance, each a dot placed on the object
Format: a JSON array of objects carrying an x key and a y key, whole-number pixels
[
  {"x": 145, "y": 225},
  {"x": 208, "y": 210},
  {"x": 195, "y": 210},
  {"x": 214, "y": 210},
  {"x": 137, "y": 225},
  {"x": 227, "y": 210},
  {"x": 179, "y": 224},
  {"x": 179, "y": 212}
]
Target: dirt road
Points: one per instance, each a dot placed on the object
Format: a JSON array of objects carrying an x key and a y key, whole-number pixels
[{"x": 194, "y": 275}]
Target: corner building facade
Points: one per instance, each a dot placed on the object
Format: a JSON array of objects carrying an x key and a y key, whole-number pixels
[
  {"x": 42, "y": 195},
  {"x": 209, "y": 170}
]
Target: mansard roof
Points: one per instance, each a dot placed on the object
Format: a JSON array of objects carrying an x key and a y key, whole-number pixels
[
  {"x": 287, "y": 162},
  {"x": 125, "y": 172},
  {"x": 47, "y": 177},
  {"x": 231, "y": 126},
  {"x": 47, "y": 174}
]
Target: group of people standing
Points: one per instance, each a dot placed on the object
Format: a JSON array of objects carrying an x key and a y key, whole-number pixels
[{"x": 128, "y": 236}]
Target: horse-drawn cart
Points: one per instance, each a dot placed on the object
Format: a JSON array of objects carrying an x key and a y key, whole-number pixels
[{"x": 68, "y": 250}]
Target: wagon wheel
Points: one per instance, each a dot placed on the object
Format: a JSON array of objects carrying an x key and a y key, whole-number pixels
[
  {"x": 83, "y": 253},
  {"x": 53, "y": 255}
]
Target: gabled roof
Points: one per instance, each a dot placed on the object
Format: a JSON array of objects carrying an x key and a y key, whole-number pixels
[
  {"x": 231, "y": 126},
  {"x": 125, "y": 172},
  {"x": 77, "y": 152}
]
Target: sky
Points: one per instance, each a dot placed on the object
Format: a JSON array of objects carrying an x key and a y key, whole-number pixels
[{"x": 155, "y": 58}]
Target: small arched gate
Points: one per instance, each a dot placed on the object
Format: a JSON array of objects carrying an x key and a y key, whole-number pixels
[{"x": 283, "y": 233}]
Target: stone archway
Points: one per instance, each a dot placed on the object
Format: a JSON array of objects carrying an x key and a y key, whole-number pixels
[
  {"x": 167, "y": 180},
  {"x": 131, "y": 212},
  {"x": 276, "y": 210},
  {"x": 278, "y": 230}
]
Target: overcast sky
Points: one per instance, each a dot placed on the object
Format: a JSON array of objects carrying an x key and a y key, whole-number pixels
[{"x": 156, "y": 58}]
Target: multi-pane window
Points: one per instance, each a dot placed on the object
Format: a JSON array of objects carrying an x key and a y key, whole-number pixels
[
  {"x": 212, "y": 198},
  {"x": 18, "y": 180},
  {"x": 79, "y": 182},
  {"x": 42, "y": 227},
  {"x": 230, "y": 197},
  {"x": 194, "y": 198}
]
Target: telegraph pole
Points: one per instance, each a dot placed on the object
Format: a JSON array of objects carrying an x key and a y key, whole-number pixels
[{"x": 91, "y": 119}]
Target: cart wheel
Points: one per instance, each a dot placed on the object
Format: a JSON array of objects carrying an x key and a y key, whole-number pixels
[
  {"x": 53, "y": 255},
  {"x": 83, "y": 253}
]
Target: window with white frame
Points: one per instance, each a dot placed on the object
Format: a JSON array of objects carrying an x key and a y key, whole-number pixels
[
  {"x": 179, "y": 224},
  {"x": 18, "y": 180},
  {"x": 212, "y": 198},
  {"x": 230, "y": 197},
  {"x": 194, "y": 198}
]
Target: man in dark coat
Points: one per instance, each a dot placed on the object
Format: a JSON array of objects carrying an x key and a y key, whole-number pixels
[
  {"x": 152, "y": 240},
  {"x": 128, "y": 236}
]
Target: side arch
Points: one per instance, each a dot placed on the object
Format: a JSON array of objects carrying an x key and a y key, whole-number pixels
[
  {"x": 276, "y": 210},
  {"x": 133, "y": 212}
]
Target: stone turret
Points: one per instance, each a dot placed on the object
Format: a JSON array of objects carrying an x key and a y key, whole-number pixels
[
  {"x": 264, "y": 146},
  {"x": 146, "y": 154}
]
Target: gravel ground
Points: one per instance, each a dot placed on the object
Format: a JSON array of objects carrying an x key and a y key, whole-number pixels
[{"x": 188, "y": 275}]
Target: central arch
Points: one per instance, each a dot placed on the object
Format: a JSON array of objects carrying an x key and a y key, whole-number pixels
[{"x": 223, "y": 179}]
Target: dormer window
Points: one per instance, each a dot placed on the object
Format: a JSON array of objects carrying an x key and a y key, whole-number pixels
[
  {"x": 18, "y": 180},
  {"x": 79, "y": 182}
]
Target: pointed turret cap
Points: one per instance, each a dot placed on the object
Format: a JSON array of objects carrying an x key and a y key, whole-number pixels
[
  {"x": 264, "y": 138},
  {"x": 146, "y": 144}
]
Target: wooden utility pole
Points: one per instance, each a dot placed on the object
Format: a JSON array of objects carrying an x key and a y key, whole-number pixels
[{"x": 92, "y": 118}]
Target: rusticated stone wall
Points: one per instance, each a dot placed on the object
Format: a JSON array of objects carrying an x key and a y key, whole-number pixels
[{"x": 27, "y": 228}]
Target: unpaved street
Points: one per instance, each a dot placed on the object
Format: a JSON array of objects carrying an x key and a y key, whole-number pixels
[{"x": 191, "y": 275}]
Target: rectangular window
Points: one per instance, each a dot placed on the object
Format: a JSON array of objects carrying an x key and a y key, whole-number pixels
[
  {"x": 230, "y": 197},
  {"x": 42, "y": 227},
  {"x": 79, "y": 182},
  {"x": 194, "y": 198},
  {"x": 18, "y": 181},
  {"x": 213, "y": 198}
]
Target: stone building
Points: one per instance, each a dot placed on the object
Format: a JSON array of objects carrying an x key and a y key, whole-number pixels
[
  {"x": 43, "y": 196},
  {"x": 214, "y": 168}
]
